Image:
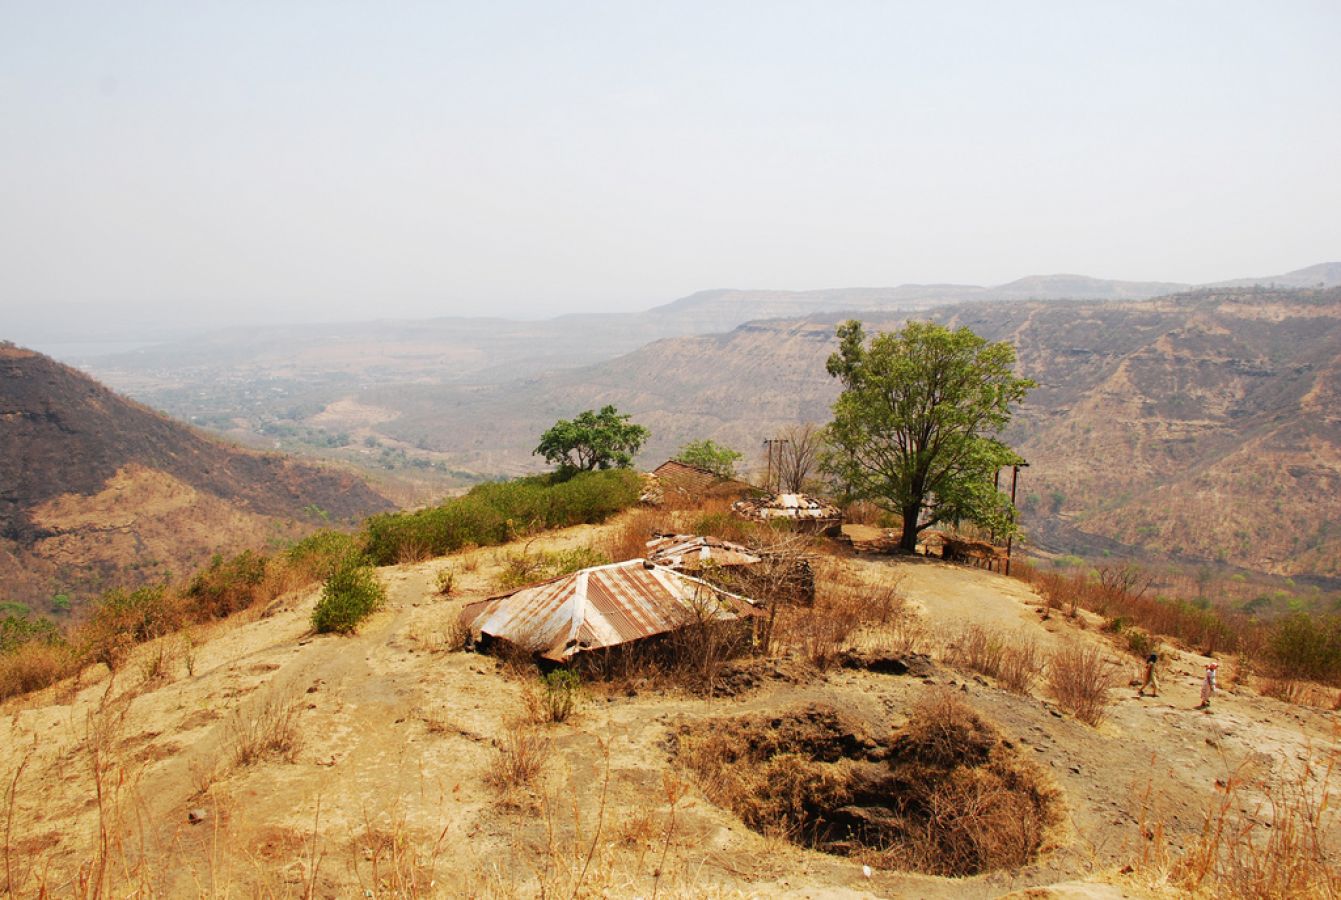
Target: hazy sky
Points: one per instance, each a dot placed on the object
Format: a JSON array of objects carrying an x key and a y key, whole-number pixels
[{"x": 185, "y": 162}]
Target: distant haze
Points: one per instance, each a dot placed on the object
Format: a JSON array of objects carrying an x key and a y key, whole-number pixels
[{"x": 166, "y": 166}]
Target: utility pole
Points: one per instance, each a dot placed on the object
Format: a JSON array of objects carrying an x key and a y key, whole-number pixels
[
  {"x": 1010, "y": 538},
  {"x": 768, "y": 443}
]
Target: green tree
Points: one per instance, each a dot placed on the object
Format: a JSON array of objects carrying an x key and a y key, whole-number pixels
[
  {"x": 593, "y": 440},
  {"x": 711, "y": 456},
  {"x": 913, "y": 430}
]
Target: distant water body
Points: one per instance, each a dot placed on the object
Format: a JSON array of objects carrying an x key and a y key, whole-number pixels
[{"x": 75, "y": 352}]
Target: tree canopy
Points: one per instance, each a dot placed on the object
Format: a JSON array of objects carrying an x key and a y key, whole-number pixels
[
  {"x": 915, "y": 428},
  {"x": 710, "y": 455},
  {"x": 593, "y": 440}
]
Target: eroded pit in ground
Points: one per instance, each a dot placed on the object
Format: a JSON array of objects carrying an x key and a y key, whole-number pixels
[{"x": 944, "y": 794}]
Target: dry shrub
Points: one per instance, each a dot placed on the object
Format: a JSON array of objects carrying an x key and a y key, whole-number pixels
[
  {"x": 159, "y": 662},
  {"x": 33, "y": 666},
  {"x": 628, "y": 539},
  {"x": 1082, "y": 679},
  {"x": 1264, "y": 838},
  {"x": 1014, "y": 661},
  {"x": 520, "y": 756},
  {"x": 943, "y": 796},
  {"x": 1021, "y": 665},
  {"x": 521, "y": 569},
  {"x": 271, "y": 730},
  {"x": 1300, "y": 693},
  {"x": 822, "y": 632}
]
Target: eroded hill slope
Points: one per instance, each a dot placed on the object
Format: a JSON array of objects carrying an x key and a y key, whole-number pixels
[
  {"x": 98, "y": 489},
  {"x": 382, "y": 781}
]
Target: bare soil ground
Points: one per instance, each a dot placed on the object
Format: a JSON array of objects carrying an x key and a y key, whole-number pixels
[{"x": 135, "y": 780}]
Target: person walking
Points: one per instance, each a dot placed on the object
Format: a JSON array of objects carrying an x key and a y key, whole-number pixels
[
  {"x": 1208, "y": 685},
  {"x": 1150, "y": 681}
]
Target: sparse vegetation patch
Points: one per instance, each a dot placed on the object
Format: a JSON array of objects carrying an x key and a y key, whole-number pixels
[{"x": 944, "y": 795}]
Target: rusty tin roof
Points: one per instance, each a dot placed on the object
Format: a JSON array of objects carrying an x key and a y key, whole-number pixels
[
  {"x": 603, "y": 606},
  {"x": 692, "y": 551},
  {"x": 786, "y": 506}
]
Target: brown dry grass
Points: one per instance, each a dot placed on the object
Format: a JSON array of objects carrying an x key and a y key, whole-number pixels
[
  {"x": 268, "y": 731},
  {"x": 1082, "y": 680},
  {"x": 1263, "y": 837},
  {"x": 1013, "y": 660},
  {"x": 521, "y": 754},
  {"x": 949, "y": 799}
]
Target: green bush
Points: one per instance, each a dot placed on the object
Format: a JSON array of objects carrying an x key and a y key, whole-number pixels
[
  {"x": 15, "y": 631},
  {"x": 316, "y": 554},
  {"x": 496, "y": 513},
  {"x": 561, "y": 694},
  {"x": 351, "y": 594},
  {"x": 1305, "y": 646}
]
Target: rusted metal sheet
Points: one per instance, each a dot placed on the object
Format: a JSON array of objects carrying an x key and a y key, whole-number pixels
[
  {"x": 603, "y": 606},
  {"x": 692, "y": 551},
  {"x": 806, "y": 511}
]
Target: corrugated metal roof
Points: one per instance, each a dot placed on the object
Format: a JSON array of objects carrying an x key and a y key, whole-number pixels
[
  {"x": 603, "y": 606},
  {"x": 692, "y": 551},
  {"x": 786, "y": 506}
]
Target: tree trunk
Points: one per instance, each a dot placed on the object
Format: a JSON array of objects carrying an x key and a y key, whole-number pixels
[{"x": 908, "y": 543}]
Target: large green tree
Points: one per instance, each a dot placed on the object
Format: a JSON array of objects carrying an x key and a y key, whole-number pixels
[
  {"x": 915, "y": 427},
  {"x": 593, "y": 440}
]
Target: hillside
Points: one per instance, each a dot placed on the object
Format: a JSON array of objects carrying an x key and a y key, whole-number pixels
[
  {"x": 264, "y": 760},
  {"x": 99, "y": 490},
  {"x": 1222, "y": 402}
]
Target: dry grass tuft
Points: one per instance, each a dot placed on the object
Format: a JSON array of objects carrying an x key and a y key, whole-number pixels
[
  {"x": 271, "y": 731},
  {"x": 1014, "y": 661},
  {"x": 520, "y": 757},
  {"x": 1082, "y": 680},
  {"x": 1261, "y": 837}
]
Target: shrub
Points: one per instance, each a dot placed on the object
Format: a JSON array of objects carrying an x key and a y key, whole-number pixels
[
  {"x": 350, "y": 595},
  {"x": 270, "y": 730},
  {"x": 1304, "y": 646},
  {"x": 15, "y": 631},
  {"x": 560, "y": 694},
  {"x": 498, "y": 512},
  {"x": 519, "y": 758},
  {"x": 123, "y": 618},
  {"x": 228, "y": 586},
  {"x": 1082, "y": 679},
  {"x": 32, "y": 666},
  {"x": 1015, "y": 661},
  {"x": 315, "y": 555}
]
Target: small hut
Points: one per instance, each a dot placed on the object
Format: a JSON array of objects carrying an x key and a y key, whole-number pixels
[
  {"x": 809, "y": 514},
  {"x": 602, "y": 607}
]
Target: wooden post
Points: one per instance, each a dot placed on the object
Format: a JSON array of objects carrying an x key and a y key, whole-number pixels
[{"x": 1010, "y": 538}]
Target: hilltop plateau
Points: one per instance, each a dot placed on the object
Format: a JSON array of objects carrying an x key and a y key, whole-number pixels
[
  {"x": 260, "y": 759},
  {"x": 98, "y": 490},
  {"x": 1196, "y": 425}
]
